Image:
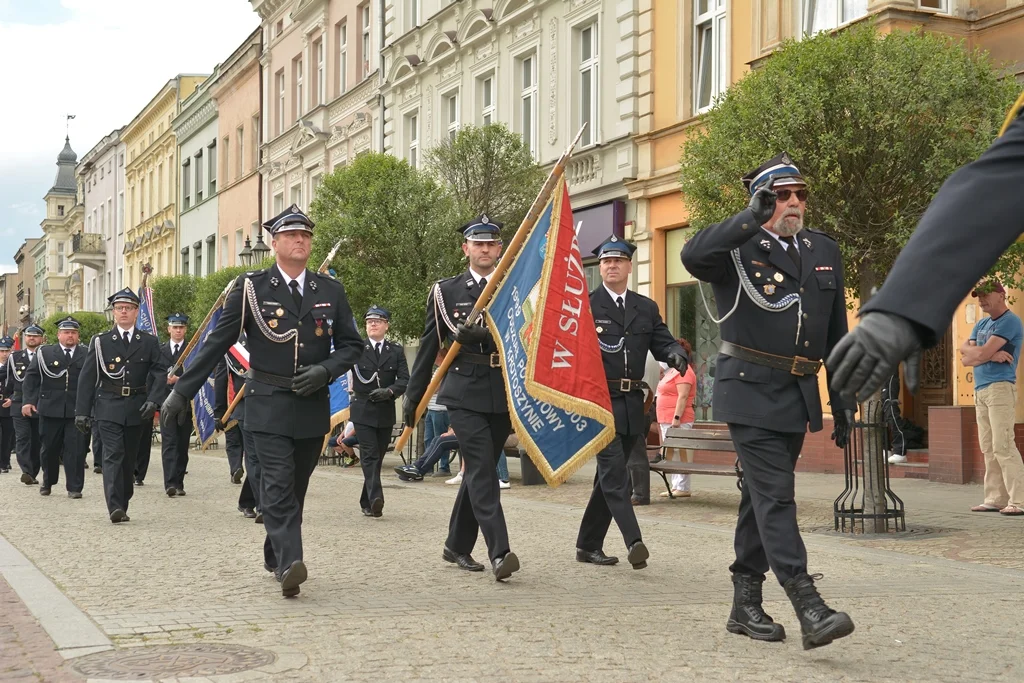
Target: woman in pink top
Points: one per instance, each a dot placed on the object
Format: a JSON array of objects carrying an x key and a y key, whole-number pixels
[{"x": 675, "y": 397}]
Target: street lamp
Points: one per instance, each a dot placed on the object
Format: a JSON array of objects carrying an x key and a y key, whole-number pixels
[
  {"x": 245, "y": 256},
  {"x": 261, "y": 251},
  {"x": 109, "y": 313}
]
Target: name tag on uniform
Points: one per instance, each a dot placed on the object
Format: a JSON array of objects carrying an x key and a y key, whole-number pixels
[
  {"x": 823, "y": 267},
  {"x": 325, "y": 304},
  {"x": 604, "y": 322},
  {"x": 271, "y": 303}
]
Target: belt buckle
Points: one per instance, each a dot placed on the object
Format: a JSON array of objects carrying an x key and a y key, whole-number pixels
[
  {"x": 126, "y": 391},
  {"x": 625, "y": 385},
  {"x": 494, "y": 361},
  {"x": 798, "y": 359}
]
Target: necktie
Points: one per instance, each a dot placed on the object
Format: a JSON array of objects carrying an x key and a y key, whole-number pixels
[
  {"x": 127, "y": 339},
  {"x": 296, "y": 294},
  {"x": 792, "y": 250},
  {"x": 377, "y": 349},
  {"x": 483, "y": 283},
  {"x": 175, "y": 351},
  {"x": 67, "y": 352},
  {"x": 620, "y": 305}
]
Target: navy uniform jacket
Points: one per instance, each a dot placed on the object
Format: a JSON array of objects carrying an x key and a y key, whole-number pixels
[
  {"x": 975, "y": 216},
  {"x": 391, "y": 371},
  {"x": 281, "y": 338},
  {"x": 625, "y": 341},
  {"x": 169, "y": 360},
  {"x": 755, "y": 395},
  {"x": 471, "y": 386},
  {"x": 51, "y": 383},
  {"x": 6, "y": 389},
  {"x": 17, "y": 365},
  {"x": 111, "y": 371}
]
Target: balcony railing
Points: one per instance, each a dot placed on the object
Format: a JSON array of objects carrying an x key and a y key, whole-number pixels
[{"x": 88, "y": 243}]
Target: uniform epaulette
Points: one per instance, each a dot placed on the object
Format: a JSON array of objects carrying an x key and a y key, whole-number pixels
[{"x": 823, "y": 234}]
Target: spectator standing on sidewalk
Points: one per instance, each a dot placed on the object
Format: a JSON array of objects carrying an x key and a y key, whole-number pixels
[
  {"x": 675, "y": 409},
  {"x": 994, "y": 351},
  {"x": 435, "y": 424},
  {"x": 891, "y": 416}
]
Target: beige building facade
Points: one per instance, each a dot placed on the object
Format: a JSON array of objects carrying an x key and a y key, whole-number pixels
[
  {"x": 64, "y": 217},
  {"x": 24, "y": 282},
  {"x": 151, "y": 183}
]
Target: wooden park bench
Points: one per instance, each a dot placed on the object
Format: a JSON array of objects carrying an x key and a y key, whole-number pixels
[{"x": 696, "y": 440}]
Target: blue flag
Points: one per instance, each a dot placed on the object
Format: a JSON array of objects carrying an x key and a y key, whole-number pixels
[
  {"x": 147, "y": 319},
  {"x": 204, "y": 400}
]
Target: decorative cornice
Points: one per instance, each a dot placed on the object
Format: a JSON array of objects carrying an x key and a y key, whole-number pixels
[
  {"x": 192, "y": 123},
  {"x": 355, "y": 99}
]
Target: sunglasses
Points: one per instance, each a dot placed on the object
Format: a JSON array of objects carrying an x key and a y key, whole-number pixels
[{"x": 784, "y": 195}]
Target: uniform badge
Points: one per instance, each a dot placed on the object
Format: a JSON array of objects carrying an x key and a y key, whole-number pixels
[
  {"x": 778, "y": 277},
  {"x": 111, "y": 366},
  {"x": 312, "y": 285},
  {"x": 56, "y": 363},
  {"x": 118, "y": 359},
  {"x": 272, "y": 323},
  {"x": 769, "y": 289},
  {"x": 600, "y": 330},
  {"x": 807, "y": 243},
  {"x": 757, "y": 274},
  {"x": 319, "y": 332},
  {"x": 274, "y": 282},
  {"x": 455, "y": 314},
  {"x": 766, "y": 245},
  {"x": 279, "y": 312}
]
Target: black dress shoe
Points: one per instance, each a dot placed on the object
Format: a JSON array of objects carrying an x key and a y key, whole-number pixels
[
  {"x": 127, "y": 518},
  {"x": 272, "y": 570},
  {"x": 638, "y": 555},
  {"x": 367, "y": 512},
  {"x": 259, "y": 517},
  {"x": 180, "y": 492},
  {"x": 248, "y": 513},
  {"x": 44, "y": 490},
  {"x": 97, "y": 469},
  {"x": 171, "y": 492},
  {"x": 118, "y": 516},
  {"x": 595, "y": 557},
  {"x": 377, "y": 507},
  {"x": 236, "y": 476},
  {"x": 291, "y": 578},
  {"x": 464, "y": 560},
  {"x": 74, "y": 495},
  {"x": 138, "y": 482},
  {"x": 504, "y": 566},
  {"x": 28, "y": 479}
]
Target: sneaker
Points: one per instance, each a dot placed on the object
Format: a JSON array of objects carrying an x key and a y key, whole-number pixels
[
  {"x": 504, "y": 485},
  {"x": 896, "y": 458},
  {"x": 456, "y": 480}
]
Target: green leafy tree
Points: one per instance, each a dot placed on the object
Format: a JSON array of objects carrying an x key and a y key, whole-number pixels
[
  {"x": 489, "y": 170},
  {"x": 398, "y": 235},
  {"x": 875, "y": 123},
  {"x": 174, "y": 294},
  {"x": 90, "y": 323}
]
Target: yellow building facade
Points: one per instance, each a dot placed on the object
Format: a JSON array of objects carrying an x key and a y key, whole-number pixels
[
  {"x": 692, "y": 50},
  {"x": 151, "y": 183}
]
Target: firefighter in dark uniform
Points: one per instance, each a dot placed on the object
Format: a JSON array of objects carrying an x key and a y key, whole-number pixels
[
  {"x": 6, "y": 421},
  {"x": 628, "y": 326},
  {"x": 290, "y": 316},
  {"x": 955, "y": 244},
  {"x": 237, "y": 439},
  {"x": 380, "y": 376},
  {"x": 779, "y": 289},
  {"x": 473, "y": 390},
  {"x": 174, "y": 437},
  {"x": 50, "y": 392},
  {"x": 124, "y": 380},
  {"x": 27, "y": 443}
]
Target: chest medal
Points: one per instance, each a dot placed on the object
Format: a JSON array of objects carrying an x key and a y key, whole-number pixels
[
  {"x": 769, "y": 289},
  {"x": 778, "y": 277}
]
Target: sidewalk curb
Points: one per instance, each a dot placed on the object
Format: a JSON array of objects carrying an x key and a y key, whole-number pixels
[{"x": 72, "y": 631}]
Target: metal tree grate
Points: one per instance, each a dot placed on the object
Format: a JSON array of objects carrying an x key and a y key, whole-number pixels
[{"x": 867, "y": 505}]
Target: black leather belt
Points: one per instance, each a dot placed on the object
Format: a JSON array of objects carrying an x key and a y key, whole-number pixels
[
  {"x": 123, "y": 390},
  {"x": 266, "y": 378},
  {"x": 491, "y": 360},
  {"x": 795, "y": 365},
  {"x": 627, "y": 385}
]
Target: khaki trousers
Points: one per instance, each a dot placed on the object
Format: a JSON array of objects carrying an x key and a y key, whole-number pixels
[{"x": 1004, "y": 470}]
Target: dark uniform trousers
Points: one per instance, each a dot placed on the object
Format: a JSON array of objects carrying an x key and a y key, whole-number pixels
[
  {"x": 117, "y": 417},
  {"x": 769, "y": 410},
  {"x": 97, "y": 449},
  {"x": 236, "y": 444},
  {"x": 174, "y": 443},
  {"x": 373, "y": 441},
  {"x": 474, "y": 394},
  {"x": 235, "y": 450},
  {"x": 288, "y": 429},
  {"x": 27, "y": 444},
  {"x": 634, "y": 331},
  {"x": 61, "y": 441},
  {"x": 145, "y": 451},
  {"x": 249, "y": 496},
  {"x": 6, "y": 441}
]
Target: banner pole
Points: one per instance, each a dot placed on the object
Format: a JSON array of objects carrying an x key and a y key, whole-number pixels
[{"x": 495, "y": 279}]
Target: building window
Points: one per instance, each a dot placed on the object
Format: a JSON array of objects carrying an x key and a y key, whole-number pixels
[
  {"x": 199, "y": 176},
  {"x": 211, "y": 256},
  {"x": 588, "y": 85},
  {"x": 254, "y": 137},
  {"x": 709, "y": 52},
  {"x": 297, "y": 80},
  {"x": 212, "y": 154},
  {"x": 225, "y": 162},
  {"x": 487, "y": 100},
  {"x": 278, "y": 203},
  {"x": 239, "y": 153},
  {"x": 824, "y": 15},
  {"x": 321, "y": 71},
  {"x": 452, "y": 114},
  {"x": 527, "y": 115},
  {"x": 412, "y": 11},
  {"x": 279, "y": 28},
  {"x": 412, "y": 134},
  {"x": 280, "y": 101},
  {"x": 60, "y": 209},
  {"x": 159, "y": 187},
  {"x": 364, "y": 56},
  {"x": 60, "y": 257},
  {"x": 223, "y": 250},
  {"x": 184, "y": 261},
  {"x": 297, "y": 195},
  {"x": 342, "y": 57},
  {"x": 937, "y": 5},
  {"x": 186, "y": 195},
  {"x": 198, "y": 248}
]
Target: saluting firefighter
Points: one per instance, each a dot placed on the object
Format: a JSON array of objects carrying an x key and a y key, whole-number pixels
[
  {"x": 290, "y": 316},
  {"x": 473, "y": 390},
  {"x": 27, "y": 443},
  {"x": 779, "y": 288},
  {"x": 124, "y": 380},
  {"x": 628, "y": 326},
  {"x": 6, "y": 421},
  {"x": 380, "y": 376},
  {"x": 174, "y": 437},
  {"x": 238, "y": 441},
  {"x": 51, "y": 388}
]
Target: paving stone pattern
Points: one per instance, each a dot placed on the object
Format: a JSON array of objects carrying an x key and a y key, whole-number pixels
[{"x": 26, "y": 651}]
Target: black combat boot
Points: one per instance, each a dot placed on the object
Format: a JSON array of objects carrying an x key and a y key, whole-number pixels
[
  {"x": 819, "y": 623},
  {"x": 747, "y": 617}
]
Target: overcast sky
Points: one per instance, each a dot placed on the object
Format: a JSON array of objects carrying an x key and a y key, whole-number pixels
[{"x": 101, "y": 60}]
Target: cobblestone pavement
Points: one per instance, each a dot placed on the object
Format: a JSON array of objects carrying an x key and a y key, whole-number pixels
[
  {"x": 380, "y": 603},
  {"x": 26, "y": 652}
]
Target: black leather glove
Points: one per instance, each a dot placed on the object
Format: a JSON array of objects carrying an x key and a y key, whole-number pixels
[
  {"x": 840, "y": 428},
  {"x": 310, "y": 379},
  {"x": 762, "y": 204},
  {"x": 380, "y": 395},
  {"x": 148, "y": 409},
  {"x": 83, "y": 423},
  {"x": 472, "y": 334},
  {"x": 409, "y": 412},
  {"x": 174, "y": 408},
  {"x": 219, "y": 425},
  {"x": 865, "y": 357},
  {"x": 678, "y": 362}
]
